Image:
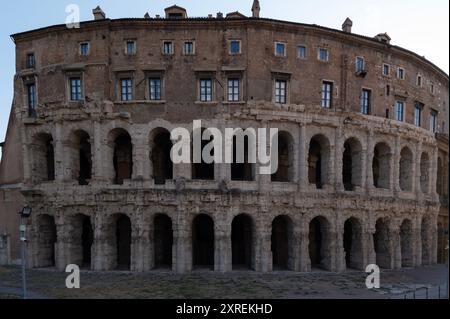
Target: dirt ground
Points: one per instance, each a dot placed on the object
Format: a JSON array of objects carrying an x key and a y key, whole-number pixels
[{"x": 50, "y": 284}]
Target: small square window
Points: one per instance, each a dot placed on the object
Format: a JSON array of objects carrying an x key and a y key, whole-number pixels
[
  {"x": 280, "y": 49},
  {"x": 301, "y": 52},
  {"x": 168, "y": 47},
  {"x": 401, "y": 73},
  {"x": 84, "y": 49},
  {"x": 131, "y": 47},
  {"x": 189, "y": 48},
  {"x": 235, "y": 47},
  {"x": 386, "y": 69},
  {"x": 323, "y": 55},
  {"x": 31, "y": 61}
]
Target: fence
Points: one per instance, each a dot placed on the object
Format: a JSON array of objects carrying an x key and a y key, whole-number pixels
[{"x": 434, "y": 292}]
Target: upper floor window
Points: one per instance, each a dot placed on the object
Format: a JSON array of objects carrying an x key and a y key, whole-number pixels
[
  {"x": 323, "y": 54},
  {"x": 432, "y": 88},
  {"x": 31, "y": 61},
  {"x": 31, "y": 94},
  {"x": 360, "y": 64},
  {"x": 386, "y": 69},
  {"x": 280, "y": 49},
  {"x": 365, "y": 101},
  {"x": 233, "y": 90},
  {"x": 280, "y": 91},
  {"x": 327, "y": 94},
  {"x": 206, "y": 91},
  {"x": 75, "y": 89},
  {"x": 155, "y": 89},
  {"x": 84, "y": 49},
  {"x": 419, "y": 80},
  {"x": 126, "y": 89},
  {"x": 301, "y": 52},
  {"x": 418, "y": 114},
  {"x": 189, "y": 48},
  {"x": 433, "y": 121},
  {"x": 401, "y": 73},
  {"x": 168, "y": 47},
  {"x": 130, "y": 47},
  {"x": 235, "y": 47},
  {"x": 400, "y": 111}
]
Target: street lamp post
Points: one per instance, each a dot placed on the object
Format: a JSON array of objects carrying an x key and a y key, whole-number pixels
[{"x": 24, "y": 214}]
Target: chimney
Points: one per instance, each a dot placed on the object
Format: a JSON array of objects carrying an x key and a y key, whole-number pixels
[
  {"x": 383, "y": 37},
  {"x": 256, "y": 9},
  {"x": 98, "y": 13},
  {"x": 219, "y": 15},
  {"x": 347, "y": 26},
  {"x": 146, "y": 16}
]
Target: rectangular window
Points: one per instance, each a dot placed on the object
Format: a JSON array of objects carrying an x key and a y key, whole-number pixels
[
  {"x": 323, "y": 55},
  {"x": 155, "y": 89},
  {"x": 126, "y": 89},
  {"x": 301, "y": 52},
  {"x": 233, "y": 90},
  {"x": 386, "y": 69},
  {"x": 205, "y": 90},
  {"x": 433, "y": 121},
  {"x": 280, "y": 49},
  {"x": 418, "y": 114},
  {"x": 75, "y": 89},
  {"x": 31, "y": 90},
  {"x": 188, "y": 48},
  {"x": 365, "y": 101},
  {"x": 31, "y": 61},
  {"x": 168, "y": 47},
  {"x": 84, "y": 49},
  {"x": 131, "y": 47},
  {"x": 400, "y": 111},
  {"x": 432, "y": 88},
  {"x": 360, "y": 64},
  {"x": 235, "y": 47},
  {"x": 419, "y": 81},
  {"x": 327, "y": 94},
  {"x": 280, "y": 91},
  {"x": 401, "y": 73}
]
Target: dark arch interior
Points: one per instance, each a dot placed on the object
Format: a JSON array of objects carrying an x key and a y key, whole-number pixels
[
  {"x": 203, "y": 170},
  {"x": 242, "y": 171},
  {"x": 87, "y": 239},
  {"x": 241, "y": 239},
  {"x": 284, "y": 172},
  {"x": 353, "y": 244},
  {"x": 381, "y": 166},
  {"x": 123, "y": 158},
  {"x": 163, "y": 238},
  {"x": 85, "y": 157},
  {"x": 382, "y": 244},
  {"x": 280, "y": 243},
  {"x": 47, "y": 241},
  {"x": 315, "y": 163},
  {"x": 203, "y": 242},
  {"x": 315, "y": 242},
  {"x": 123, "y": 238},
  {"x": 162, "y": 163}
]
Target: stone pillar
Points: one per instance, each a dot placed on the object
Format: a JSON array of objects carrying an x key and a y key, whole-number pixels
[
  {"x": 332, "y": 169},
  {"x": 27, "y": 156},
  {"x": 339, "y": 153},
  {"x": 434, "y": 240},
  {"x": 263, "y": 251},
  {"x": 182, "y": 248},
  {"x": 395, "y": 175},
  {"x": 103, "y": 248},
  {"x": 396, "y": 260},
  {"x": 370, "y": 256},
  {"x": 417, "y": 176},
  {"x": 304, "y": 262},
  {"x": 303, "y": 159},
  {"x": 339, "y": 252},
  {"x": 222, "y": 250},
  {"x": 63, "y": 246},
  {"x": 369, "y": 162},
  {"x": 61, "y": 158},
  {"x": 140, "y": 154},
  {"x": 97, "y": 153},
  {"x": 142, "y": 257},
  {"x": 433, "y": 174}
]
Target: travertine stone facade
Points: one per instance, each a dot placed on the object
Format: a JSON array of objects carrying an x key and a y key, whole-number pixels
[{"x": 352, "y": 189}]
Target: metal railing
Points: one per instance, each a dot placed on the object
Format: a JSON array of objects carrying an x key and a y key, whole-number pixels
[{"x": 434, "y": 292}]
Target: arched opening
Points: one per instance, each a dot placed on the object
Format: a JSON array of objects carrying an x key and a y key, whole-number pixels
[
  {"x": 163, "y": 239},
  {"x": 81, "y": 157},
  {"x": 426, "y": 236},
  {"x": 47, "y": 238},
  {"x": 122, "y": 155},
  {"x": 203, "y": 170},
  {"x": 282, "y": 247},
  {"x": 285, "y": 172},
  {"x": 82, "y": 238},
  {"x": 123, "y": 242},
  {"x": 441, "y": 251},
  {"x": 406, "y": 169},
  {"x": 382, "y": 242},
  {"x": 43, "y": 158},
  {"x": 241, "y": 168},
  {"x": 242, "y": 242},
  {"x": 203, "y": 242},
  {"x": 381, "y": 166},
  {"x": 424, "y": 173},
  {"x": 318, "y": 161},
  {"x": 162, "y": 164},
  {"x": 351, "y": 164},
  {"x": 353, "y": 244},
  {"x": 406, "y": 243},
  {"x": 319, "y": 243}
]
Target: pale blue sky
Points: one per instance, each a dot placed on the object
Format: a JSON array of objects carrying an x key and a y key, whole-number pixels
[{"x": 417, "y": 25}]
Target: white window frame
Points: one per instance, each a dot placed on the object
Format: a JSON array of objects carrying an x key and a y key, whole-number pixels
[
  {"x": 388, "y": 67},
  {"x": 397, "y": 103},
  {"x": 134, "y": 46},
  {"x": 327, "y": 55},
  {"x": 285, "y": 49},
  {"x": 331, "y": 99},
  {"x": 172, "y": 47},
  {"x": 306, "y": 52},
  {"x": 433, "y": 115},
  {"x": 369, "y": 101},
  {"x": 421, "y": 80},
  {"x": 398, "y": 73},
  {"x": 184, "y": 47},
  {"x": 199, "y": 89},
  {"x": 363, "y": 66},
  {"x": 80, "y": 51},
  {"x": 229, "y": 46},
  {"x": 286, "y": 91},
  {"x": 418, "y": 107}
]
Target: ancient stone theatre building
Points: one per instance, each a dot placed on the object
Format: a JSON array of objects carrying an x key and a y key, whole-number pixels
[{"x": 363, "y": 147}]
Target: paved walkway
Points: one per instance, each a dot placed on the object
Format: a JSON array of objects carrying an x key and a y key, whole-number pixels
[{"x": 47, "y": 283}]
